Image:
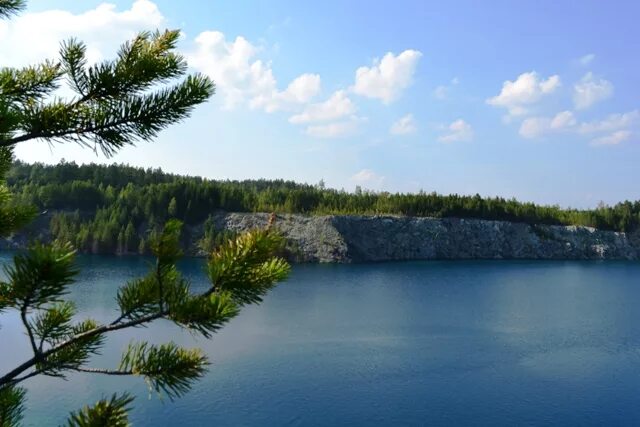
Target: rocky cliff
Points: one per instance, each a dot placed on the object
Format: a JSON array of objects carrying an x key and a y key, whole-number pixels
[
  {"x": 345, "y": 239},
  {"x": 387, "y": 238}
]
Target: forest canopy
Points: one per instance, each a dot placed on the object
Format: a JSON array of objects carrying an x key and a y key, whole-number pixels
[{"x": 112, "y": 208}]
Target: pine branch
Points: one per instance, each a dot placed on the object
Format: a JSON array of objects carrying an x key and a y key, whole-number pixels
[
  {"x": 11, "y": 7},
  {"x": 112, "y": 413},
  {"x": 167, "y": 368},
  {"x": 12, "y": 376},
  {"x": 54, "y": 323},
  {"x": 160, "y": 290},
  {"x": 30, "y": 84},
  {"x": 11, "y": 405},
  {"x": 74, "y": 62},
  {"x": 242, "y": 269},
  {"x": 41, "y": 275},
  {"x": 113, "y": 124},
  {"x": 25, "y": 322},
  {"x": 27, "y": 376},
  {"x": 104, "y": 371}
]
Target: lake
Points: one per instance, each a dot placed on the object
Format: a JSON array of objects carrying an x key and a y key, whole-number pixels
[{"x": 413, "y": 343}]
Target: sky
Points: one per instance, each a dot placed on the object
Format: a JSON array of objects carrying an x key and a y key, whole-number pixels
[{"x": 537, "y": 100}]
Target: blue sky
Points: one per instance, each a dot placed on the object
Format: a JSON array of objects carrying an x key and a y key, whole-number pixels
[{"x": 536, "y": 100}]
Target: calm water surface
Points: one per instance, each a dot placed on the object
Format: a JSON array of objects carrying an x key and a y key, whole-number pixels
[{"x": 438, "y": 343}]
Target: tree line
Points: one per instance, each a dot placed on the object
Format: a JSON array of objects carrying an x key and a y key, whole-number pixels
[{"x": 117, "y": 208}]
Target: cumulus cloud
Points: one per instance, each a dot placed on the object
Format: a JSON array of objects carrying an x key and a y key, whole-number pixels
[
  {"x": 591, "y": 90},
  {"x": 368, "y": 178},
  {"x": 337, "y": 106},
  {"x": 241, "y": 77},
  {"x": 516, "y": 96},
  {"x": 612, "y": 122},
  {"x": 613, "y": 129},
  {"x": 404, "y": 126},
  {"x": 333, "y": 118},
  {"x": 614, "y": 138},
  {"x": 457, "y": 131},
  {"x": 30, "y": 37},
  {"x": 534, "y": 127},
  {"x": 387, "y": 78},
  {"x": 300, "y": 91},
  {"x": 563, "y": 120}
]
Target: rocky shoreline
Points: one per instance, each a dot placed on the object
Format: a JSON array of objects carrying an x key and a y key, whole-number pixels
[
  {"x": 344, "y": 239},
  {"x": 352, "y": 239}
]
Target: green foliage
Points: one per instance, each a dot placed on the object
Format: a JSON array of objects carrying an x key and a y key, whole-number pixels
[
  {"x": 96, "y": 204},
  {"x": 115, "y": 103},
  {"x": 166, "y": 246},
  {"x": 167, "y": 368},
  {"x": 24, "y": 85},
  {"x": 204, "y": 314},
  {"x": 54, "y": 323},
  {"x": 76, "y": 354},
  {"x": 173, "y": 208},
  {"x": 12, "y": 216},
  {"x": 213, "y": 238},
  {"x": 9, "y": 7},
  {"x": 11, "y": 405},
  {"x": 112, "y": 413},
  {"x": 41, "y": 275},
  {"x": 141, "y": 297},
  {"x": 245, "y": 267},
  {"x": 164, "y": 285},
  {"x": 241, "y": 272}
]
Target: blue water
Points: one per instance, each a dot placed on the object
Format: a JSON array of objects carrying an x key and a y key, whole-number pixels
[{"x": 437, "y": 343}]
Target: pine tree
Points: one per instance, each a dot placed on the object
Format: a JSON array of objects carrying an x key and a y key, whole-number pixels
[
  {"x": 116, "y": 103},
  {"x": 172, "y": 210},
  {"x": 142, "y": 247},
  {"x": 129, "y": 237}
]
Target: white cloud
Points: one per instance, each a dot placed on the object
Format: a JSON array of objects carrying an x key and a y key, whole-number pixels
[
  {"x": 563, "y": 120},
  {"x": 404, "y": 125},
  {"x": 334, "y": 130},
  {"x": 369, "y": 178},
  {"x": 303, "y": 88},
  {"x": 612, "y": 122},
  {"x": 550, "y": 85},
  {"x": 459, "y": 130},
  {"x": 31, "y": 37},
  {"x": 516, "y": 96},
  {"x": 387, "y": 78},
  {"x": 300, "y": 91},
  {"x": 591, "y": 90},
  {"x": 338, "y": 110},
  {"x": 613, "y": 129},
  {"x": 587, "y": 59},
  {"x": 240, "y": 77},
  {"x": 337, "y": 106},
  {"x": 612, "y": 139},
  {"x": 534, "y": 127}
]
